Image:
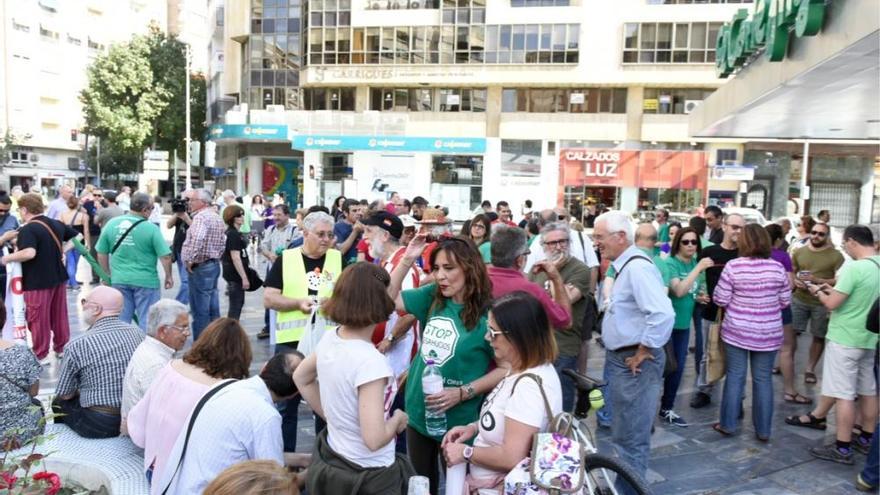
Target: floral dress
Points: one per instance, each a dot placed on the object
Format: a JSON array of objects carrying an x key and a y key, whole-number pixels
[{"x": 19, "y": 417}]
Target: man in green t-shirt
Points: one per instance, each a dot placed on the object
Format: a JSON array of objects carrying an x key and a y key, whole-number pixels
[
  {"x": 848, "y": 370},
  {"x": 554, "y": 240},
  {"x": 128, "y": 250},
  {"x": 817, "y": 263}
]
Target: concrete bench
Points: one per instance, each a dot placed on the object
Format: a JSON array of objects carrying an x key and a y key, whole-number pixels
[{"x": 114, "y": 465}]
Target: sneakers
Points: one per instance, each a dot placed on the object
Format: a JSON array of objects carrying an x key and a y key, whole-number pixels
[
  {"x": 669, "y": 416},
  {"x": 860, "y": 444},
  {"x": 700, "y": 400},
  {"x": 864, "y": 486},
  {"x": 833, "y": 454},
  {"x": 264, "y": 334}
]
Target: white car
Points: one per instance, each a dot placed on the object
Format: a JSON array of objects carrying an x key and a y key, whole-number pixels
[{"x": 751, "y": 215}]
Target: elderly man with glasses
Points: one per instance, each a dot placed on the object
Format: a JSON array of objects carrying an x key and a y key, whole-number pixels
[
  {"x": 167, "y": 331},
  {"x": 555, "y": 239},
  {"x": 201, "y": 252},
  {"x": 89, "y": 390}
]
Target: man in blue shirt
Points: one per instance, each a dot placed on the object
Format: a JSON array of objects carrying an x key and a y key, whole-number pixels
[
  {"x": 348, "y": 231},
  {"x": 637, "y": 324},
  {"x": 8, "y": 226}
]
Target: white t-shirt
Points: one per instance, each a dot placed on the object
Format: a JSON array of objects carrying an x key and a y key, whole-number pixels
[
  {"x": 343, "y": 366},
  {"x": 526, "y": 405},
  {"x": 585, "y": 252}
]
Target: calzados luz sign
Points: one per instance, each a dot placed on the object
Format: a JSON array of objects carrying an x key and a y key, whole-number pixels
[
  {"x": 596, "y": 163},
  {"x": 769, "y": 27}
]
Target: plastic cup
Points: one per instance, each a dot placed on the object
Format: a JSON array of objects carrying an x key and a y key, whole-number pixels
[
  {"x": 455, "y": 479},
  {"x": 419, "y": 485}
]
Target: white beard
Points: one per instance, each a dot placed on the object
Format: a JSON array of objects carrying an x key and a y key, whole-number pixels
[{"x": 377, "y": 250}]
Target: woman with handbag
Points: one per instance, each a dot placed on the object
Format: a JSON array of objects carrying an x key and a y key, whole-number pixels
[
  {"x": 520, "y": 334},
  {"x": 686, "y": 281},
  {"x": 753, "y": 290},
  {"x": 350, "y": 384},
  {"x": 235, "y": 260}
]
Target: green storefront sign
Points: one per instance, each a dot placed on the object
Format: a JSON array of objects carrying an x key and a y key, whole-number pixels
[{"x": 769, "y": 27}]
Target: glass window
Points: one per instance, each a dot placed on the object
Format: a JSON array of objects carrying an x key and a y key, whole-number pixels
[
  {"x": 508, "y": 100},
  {"x": 450, "y": 100}
]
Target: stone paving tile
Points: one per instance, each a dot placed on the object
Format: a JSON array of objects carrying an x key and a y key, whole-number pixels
[{"x": 692, "y": 460}]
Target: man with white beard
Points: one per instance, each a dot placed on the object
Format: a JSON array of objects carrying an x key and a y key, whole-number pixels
[
  {"x": 89, "y": 390},
  {"x": 395, "y": 338}
]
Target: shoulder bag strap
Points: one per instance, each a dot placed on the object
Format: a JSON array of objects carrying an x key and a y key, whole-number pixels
[
  {"x": 583, "y": 246},
  {"x": 73, "y": 220},
  {"x": 540, "y": 383},
  {"x": 192, "y": 421},
  {"x": 633, "y": 258},
  {"x": 54, "y": 235},
  {"x": 119, "y": 241}
]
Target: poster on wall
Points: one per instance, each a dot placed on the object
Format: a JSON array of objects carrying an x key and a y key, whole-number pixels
[
  {"x": 520, "y": 163},
  {"x": 280, "y": 177},
  {"x": 392, "y": 173}
]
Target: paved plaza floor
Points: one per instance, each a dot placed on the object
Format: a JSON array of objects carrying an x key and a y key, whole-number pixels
[{"x": 692, "y": 460}]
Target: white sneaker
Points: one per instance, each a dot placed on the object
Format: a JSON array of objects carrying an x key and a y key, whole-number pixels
[{"x": 674, "y": 419}]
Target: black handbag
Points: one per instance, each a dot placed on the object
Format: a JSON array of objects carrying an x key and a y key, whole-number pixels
[{"x": 254, "y": 279}]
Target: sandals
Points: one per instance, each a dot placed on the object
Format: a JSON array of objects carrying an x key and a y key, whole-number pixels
[
  {"x": 814, "y": 422},
  {"x": 717, "y": 427},
  {"x": 797, "y": 398},
  {"x": 810, "y": 377}
]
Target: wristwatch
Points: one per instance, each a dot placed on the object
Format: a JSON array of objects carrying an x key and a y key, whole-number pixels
[
  {"x": 390, "y": 338},
  {"x": 469, "y": 391},
  {"x": 467, "y": 453}
]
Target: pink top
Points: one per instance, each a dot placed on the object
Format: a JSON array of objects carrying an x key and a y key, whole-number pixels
[{"x": 158, "y": 418}]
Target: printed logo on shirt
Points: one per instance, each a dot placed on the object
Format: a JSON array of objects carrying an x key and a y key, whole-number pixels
[
  {"x": 439, "y": 339},
  {"x": 316, "y": 279}
]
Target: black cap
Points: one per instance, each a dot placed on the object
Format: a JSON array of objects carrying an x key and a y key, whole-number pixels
[{"x": 387, "y": 222}]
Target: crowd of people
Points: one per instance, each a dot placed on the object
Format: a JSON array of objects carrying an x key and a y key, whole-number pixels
[{"x": 365, "y": 301}]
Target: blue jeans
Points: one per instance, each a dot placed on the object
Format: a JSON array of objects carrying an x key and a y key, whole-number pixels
[
  {"x": 183, "y": 292},
  {"x": 680, "y": 340},
  {"x": 871, "y": 473},
  {"x": 633, "y": 403},
  {"x": 72, "y": 260},
  {"x": 204, "y": 300},
  {"x": 137, "y": 302},
  {"x": 85, "y": 422},
  {"x": 603, "y": 415},
  {"x": 561, "y": 363},
  {"x": 289, "y": 410},
  {"x": 738, "y": 360},
  {"x": 698, "y": 335}
]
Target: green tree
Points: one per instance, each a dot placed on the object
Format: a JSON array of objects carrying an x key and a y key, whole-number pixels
[
  {"x": 135, "y": 98},
  {"x": 9, "y": 141}
]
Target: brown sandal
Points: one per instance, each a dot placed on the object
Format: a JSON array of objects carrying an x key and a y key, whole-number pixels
[
  {"x": 797, "y": 398},
  {"x": 717, "y": 427},
  {"x": 810, "y": 377}
]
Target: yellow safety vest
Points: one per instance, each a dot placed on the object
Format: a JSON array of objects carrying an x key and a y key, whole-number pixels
[{"x": 290, "y": 326}]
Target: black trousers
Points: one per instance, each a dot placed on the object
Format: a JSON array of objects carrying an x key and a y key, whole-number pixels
[
  {"x": 424, "y": 453},
  {"x": 236, "y": 299}
]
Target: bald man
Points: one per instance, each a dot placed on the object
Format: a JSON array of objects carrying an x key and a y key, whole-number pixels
[
  {"x": 59, "y": 204},
  {"x": 89, "y": 391}
]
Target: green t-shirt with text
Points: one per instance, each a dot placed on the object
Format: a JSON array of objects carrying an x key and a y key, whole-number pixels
[
  {"x": 860, "y": 281},
  {"x": 672, "y": 267},
  {"x": 462, "y": 354},
  {"x": 134, "y": 262}
]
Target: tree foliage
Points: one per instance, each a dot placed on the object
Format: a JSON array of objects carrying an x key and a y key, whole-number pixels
[
  {"x": 8, "y": 141},
  {"x": 135, "y": 97}
]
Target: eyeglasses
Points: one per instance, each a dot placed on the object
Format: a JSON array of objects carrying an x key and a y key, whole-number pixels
[
  {"x": 323, "y": 235},
  {"x": 85, "y": 302},
  {"x": 492, "y": 333},
  {"x": 183, "y": 330},
  {"x": 478, "y": 226},
  {"x": 817, "y": 233},
  {"x": 557, "y": 243},
  {"x": 689, "y": 242}
]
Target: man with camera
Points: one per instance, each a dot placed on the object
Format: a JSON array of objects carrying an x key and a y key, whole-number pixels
[{"x": 180, "y": 222}]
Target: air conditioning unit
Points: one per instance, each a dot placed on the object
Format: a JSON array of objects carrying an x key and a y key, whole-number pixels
[
  {"x": 690, "y": 105},
  {"x": 275, "y": 108}
]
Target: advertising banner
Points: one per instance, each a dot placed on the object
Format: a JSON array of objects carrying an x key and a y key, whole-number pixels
[
  {"x": 633, "y": 168},
  {"x": 280, "y": 176}
]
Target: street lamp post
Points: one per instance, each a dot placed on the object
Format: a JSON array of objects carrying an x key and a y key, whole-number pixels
[{"x": 188, "y": 140}]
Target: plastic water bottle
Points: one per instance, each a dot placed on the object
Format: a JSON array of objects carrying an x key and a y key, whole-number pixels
[{"x": 432, "y": 383}]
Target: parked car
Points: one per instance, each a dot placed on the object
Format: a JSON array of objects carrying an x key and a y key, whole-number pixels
[{"x": 751, "y": 215}]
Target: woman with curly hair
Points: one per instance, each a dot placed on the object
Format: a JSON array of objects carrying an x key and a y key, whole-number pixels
[
  {"x": 221, "y": 352},
  {"x": 452, "y": 311}
]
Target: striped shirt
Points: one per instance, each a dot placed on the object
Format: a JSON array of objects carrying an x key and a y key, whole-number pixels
[
  {"x": 205, "y": 238},
  {"x": 94, "y": 363},
  {"x": 753, "y": 292}
]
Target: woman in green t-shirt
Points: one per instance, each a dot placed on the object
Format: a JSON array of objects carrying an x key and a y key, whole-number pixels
[
  {"x": 686, "y": 281},
  {"x": 452, "y": 314}
]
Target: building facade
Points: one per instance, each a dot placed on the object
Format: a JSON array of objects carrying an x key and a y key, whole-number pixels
[
  {"x": 45, "y": 47},
  {"x": 555, "y": 101}
]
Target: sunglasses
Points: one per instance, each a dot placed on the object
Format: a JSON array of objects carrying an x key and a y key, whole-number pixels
[
  {"x": 239, "y": 215},
  {"x": 817, "y": 233},
  {"x": 689, "y": 242},
  {"x": 493, "y": 333}
]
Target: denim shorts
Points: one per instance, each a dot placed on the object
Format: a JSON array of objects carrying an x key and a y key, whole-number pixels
[{"x": 786, "y": 315}]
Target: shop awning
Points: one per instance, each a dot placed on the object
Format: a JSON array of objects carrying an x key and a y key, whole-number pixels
[{"x": 826, "y": 88}]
